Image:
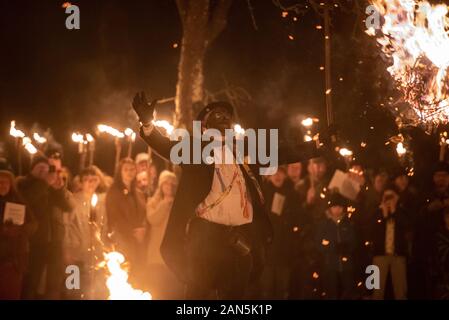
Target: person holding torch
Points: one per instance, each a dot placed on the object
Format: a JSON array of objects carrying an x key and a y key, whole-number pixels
[
  {"x": 218, "y": 227},
  {"x": 84, "y": 225}
]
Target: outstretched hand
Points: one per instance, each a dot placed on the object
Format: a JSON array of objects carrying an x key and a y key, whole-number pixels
[{"x": 143, "y": 109}]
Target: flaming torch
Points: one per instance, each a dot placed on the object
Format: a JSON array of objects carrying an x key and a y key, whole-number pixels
[
  {"x": 131, "y": 138},
  {"x": 39, "y": 139},
  {"x": 91, "y": 146},
  {"x": 400, "y": 149},
  {"x": 444, "y": 141},
  {"x": 21, "y": 140},
  {"x": 164, "y": 124},
  {"x": 118, "y": 135},
  {"x": 26, "y": 142},
  {"x": 346, "y": 154},
  {"x": 93, "y": 207},
  {"x": 79, "y": 138},
  {"x": 308, "y": 123},
  {"x": 18, "y": 135}
]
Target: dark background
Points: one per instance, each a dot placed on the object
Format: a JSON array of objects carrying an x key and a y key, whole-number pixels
[{"x": 71, "y": 80}]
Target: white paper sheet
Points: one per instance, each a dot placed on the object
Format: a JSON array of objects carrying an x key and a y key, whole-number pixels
[{"x": 14, "y": 212}]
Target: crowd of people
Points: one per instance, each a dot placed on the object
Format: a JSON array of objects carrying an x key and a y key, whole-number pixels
[{"x": 322, "y": 242}]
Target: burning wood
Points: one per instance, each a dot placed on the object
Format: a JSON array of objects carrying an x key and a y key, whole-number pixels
[{"x": 414, "y": 35}]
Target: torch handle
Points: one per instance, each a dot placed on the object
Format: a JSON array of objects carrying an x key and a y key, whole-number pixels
[
  {"x": 150, "y": 155},
  {"x": 19, "y": 155},
  {"x": 118, "y": 153},
  {"x": 442, "y": 152},
  {"x": 83, "y": 156},
  {"x": 130, "y": 148},
  {"x": 91, "y": 153}
]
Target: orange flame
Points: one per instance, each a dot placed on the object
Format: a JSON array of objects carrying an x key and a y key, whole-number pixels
[
  {"x": 414, "y": 35},
  {"x": 15, "y": 132},
  {"x": 112, "y": 131},
  {"x": 164, "y": 124},
  {"x": 117, "y": 282}
]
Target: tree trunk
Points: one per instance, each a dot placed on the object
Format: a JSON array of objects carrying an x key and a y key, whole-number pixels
[
  {"x": 190, "y": 70},
  {"x": 201, "y": 25}
]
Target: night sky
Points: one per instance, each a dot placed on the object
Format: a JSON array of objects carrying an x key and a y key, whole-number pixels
[{"x": 71, "y": 80}]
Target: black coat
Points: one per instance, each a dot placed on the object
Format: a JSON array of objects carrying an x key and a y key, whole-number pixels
[
  {"x": 125, "y": 211},
  {"x": 336, "y": 245},
  {"x": 42, "y": 199},
  {"x": 280, "y": 250},
  {"x": 194, "y": 186},
  {"x": 378, "y": 232}
]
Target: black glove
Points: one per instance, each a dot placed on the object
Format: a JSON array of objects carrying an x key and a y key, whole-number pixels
[{"x": 142, "y": 108}]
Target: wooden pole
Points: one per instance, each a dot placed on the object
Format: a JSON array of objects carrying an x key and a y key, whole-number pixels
[
  {"x": 83, "y": 156},
  {"x": 118, "y": 153},
  {"x": 327, "y": 66},
  {"x": 19, "y": 155},
  {"x": 150, "y": 156},
  {"x": 91, "y": 153},
  {"x": 442, "y": 152},
  {"x": 130, "y": 147}
]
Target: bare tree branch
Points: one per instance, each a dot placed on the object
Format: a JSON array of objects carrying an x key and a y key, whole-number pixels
[
  {"x": 182, "y": 9},
  {"x": 218, "y": 19}
]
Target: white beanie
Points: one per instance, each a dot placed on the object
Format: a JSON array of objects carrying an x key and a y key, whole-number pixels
[
  {"x": 142, "y": 157},
  {"x": 167, "y": 176}
]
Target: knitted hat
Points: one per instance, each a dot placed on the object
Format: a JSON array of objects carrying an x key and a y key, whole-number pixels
[
  {"x": 167, "y": 176},
  {"x": 142, "y": 157}
]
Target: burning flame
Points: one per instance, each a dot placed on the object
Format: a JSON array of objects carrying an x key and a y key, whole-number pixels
[
  {"x": 308, "y": 122},
  {"x": 307, "y": 138},
  {"x": 15, "y": 132},
  {"x": 400, "y": 149},
  {"x": 117, "y": 282},
  {"x": 39, "y": 139},
  {"x": 94, "y": 200},
  {"x": 112, "y": 131},
  {"x": 89, "y": 137},
  {"x": 238, "y": 129},
  {"x": 26, "y": 142},
  {"x": 344, "y": 152},
  {"x": 414, "y": 35},
  {"x": 164, "y": 124},
  {"x": 76, "y": 137},
  {"x": 130, "y": 134}
]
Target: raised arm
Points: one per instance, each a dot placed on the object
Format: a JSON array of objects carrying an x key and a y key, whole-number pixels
[{"x": 157, "y": 142}]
